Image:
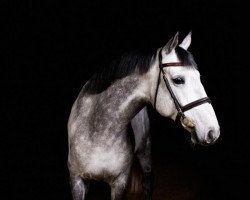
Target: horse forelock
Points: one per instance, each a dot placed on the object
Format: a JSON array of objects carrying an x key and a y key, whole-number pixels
[{"x": 185, "y": 57}]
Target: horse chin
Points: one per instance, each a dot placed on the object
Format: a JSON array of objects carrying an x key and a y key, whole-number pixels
[{"x": 194, "y": 138}]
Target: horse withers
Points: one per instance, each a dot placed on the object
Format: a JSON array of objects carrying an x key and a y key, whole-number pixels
[{"x": 99, "y": 144}]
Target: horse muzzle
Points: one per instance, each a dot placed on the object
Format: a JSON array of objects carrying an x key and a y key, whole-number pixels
[{"x": 210, "y": 136}]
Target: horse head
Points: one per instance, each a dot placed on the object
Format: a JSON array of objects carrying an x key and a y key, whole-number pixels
[{"x": 177, "y": 91}]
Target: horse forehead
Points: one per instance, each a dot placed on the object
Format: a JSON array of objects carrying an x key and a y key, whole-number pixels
[{"x": 185, "y": 71}]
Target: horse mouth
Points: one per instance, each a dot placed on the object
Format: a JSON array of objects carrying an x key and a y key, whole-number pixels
[
  {"x": 194, "y": 137},
  {"x": 195, "y": 140}
]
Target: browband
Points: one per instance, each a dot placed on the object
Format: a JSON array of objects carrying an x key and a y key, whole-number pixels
[{"x": 172, "y": 64}]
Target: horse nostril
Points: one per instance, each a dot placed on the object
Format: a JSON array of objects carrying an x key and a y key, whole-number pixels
[{"x": 210, "y": 136}]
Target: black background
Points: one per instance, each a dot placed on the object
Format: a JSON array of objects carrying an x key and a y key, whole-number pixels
[{"x": 54, "y": 47}]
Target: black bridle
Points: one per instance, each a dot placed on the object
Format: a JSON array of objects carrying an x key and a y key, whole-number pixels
[{"x": 180, "y": 109}]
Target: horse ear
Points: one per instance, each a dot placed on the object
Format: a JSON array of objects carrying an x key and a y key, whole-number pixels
[
  {"x": 187, "y": 41},
  {"x": 172, "y": 43}
]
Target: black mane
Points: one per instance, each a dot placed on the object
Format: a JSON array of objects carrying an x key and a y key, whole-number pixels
[{"x": 129, "y": 63}]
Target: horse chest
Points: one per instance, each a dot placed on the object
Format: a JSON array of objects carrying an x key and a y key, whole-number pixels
[
  {"x": 99, "y": 160},
  {"x": 104, "y": 160}
]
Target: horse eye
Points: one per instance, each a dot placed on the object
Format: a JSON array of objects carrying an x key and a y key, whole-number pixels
[{"x": 178, "y": 80}]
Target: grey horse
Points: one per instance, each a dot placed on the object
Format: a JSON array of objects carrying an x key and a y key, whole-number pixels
[{"x": 99, "y": 144}]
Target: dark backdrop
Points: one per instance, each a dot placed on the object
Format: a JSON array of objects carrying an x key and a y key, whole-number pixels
[{"x": 54, "y": 47}]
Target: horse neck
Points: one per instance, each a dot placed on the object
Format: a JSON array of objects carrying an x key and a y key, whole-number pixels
[{"x": 122, "y": 100}]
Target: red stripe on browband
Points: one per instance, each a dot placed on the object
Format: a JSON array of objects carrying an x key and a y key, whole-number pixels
[{"x": 174, "y": 64}]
